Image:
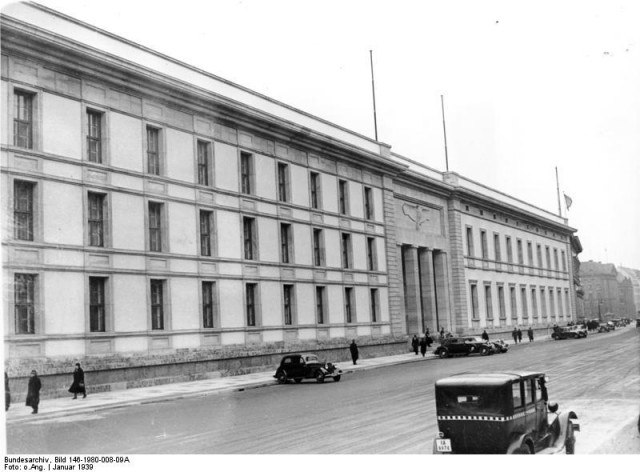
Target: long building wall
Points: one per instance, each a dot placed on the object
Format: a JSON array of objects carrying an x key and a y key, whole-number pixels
[{"x": 151, "y": 223}]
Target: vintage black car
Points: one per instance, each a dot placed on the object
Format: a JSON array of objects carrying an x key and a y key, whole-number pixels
[
  {"x": 305, "y": 366},
  {"x": 499, "y": 346},
  {"x": 501, "y": 413},
  {"x": 463, "y": 346},
  {"x": 568, "y": 332}
]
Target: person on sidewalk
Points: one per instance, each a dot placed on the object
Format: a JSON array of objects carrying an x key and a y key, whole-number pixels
[
  {"x": 519, "y": 335},
  {"x": 414, "y": 344},
  {"x": 33, "y": 392},
  {"x": 78, "y": 383},
  {"x": 485, "y": 336},
  {"x": 423, "y": 346},
  {"x": 530, "y": 333},
  {"x": 514, "y": 334},
  {"x": 7, "y": 392},
  {"x": 353, "y": 347}
]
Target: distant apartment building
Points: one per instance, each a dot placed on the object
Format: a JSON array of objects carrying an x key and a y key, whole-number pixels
[
  {"x": 162, "y": 222},
  {"x": 607, "y": 291}
]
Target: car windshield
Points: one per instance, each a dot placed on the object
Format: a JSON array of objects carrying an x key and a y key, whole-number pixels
[
  {"x": 472, "y": 401},
  {"x": 311, "y": 359}
]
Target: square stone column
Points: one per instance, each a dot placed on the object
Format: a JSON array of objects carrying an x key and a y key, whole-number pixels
[
  {"x": 412, "y": 297},
  {"x": 441, "y": 272},
  {"x": 428, "y": 292}
]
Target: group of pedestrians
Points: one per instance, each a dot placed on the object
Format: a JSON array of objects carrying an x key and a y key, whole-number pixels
[
  {"x": 35, "y": 385},
  {"x": 516, "y": 334}
]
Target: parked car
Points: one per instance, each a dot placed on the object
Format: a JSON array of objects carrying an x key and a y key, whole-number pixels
[
  {"x": 305, "y": 366},
  {"x": 567, "y": 332},
  {"x": 580, "y": 331},
  {"x": 499, "y": 346},
  {"x": 463, "y": 346},
  {"x": 501, "y": 413},
  {"x": 603, "y": 328}
]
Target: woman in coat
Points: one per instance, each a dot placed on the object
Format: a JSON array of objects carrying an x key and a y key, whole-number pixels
[
  {"x": 423, "y": 346},
  {"x": 33, "y": 392},
  {"x": 354, "y": 351},
  {"x": 415, "y": 343},
  {"x": 78, "y": 383}
]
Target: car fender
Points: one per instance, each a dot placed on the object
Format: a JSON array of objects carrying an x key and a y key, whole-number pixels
[
  {"x": 563, "y": 427},
  {"x": 518, "y": 440}
]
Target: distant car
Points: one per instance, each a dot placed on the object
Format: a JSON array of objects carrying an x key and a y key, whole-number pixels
[
  {"x": 568, "y": 332},
  {"x": 501, "y": 413},
  {"x": 299, "y": 367},
  {"x": 580, "y": 330},
  {"x": 463, "y": 346},
  {"x": 499, "y": 346},
  {"x": 603, "y": 328}
]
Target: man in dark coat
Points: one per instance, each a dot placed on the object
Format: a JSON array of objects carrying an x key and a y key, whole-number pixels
[
  {"x": 530, "y": 333},
  {"x": 78, "y": 383},
  {"x": 514, "y": 334},
  {"x": 519, "y": 335},
  {"x": 7, "y": 393},
  {"x": 354, "y": 351},
  {"x": 423, "y": 346},
  {"x": 33, "y": 392},
  {"x": 485, "y": 336},
  {"x": 414, "y": 344}
]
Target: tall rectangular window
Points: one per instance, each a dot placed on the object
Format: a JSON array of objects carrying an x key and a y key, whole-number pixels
[
  {"x": 97, "y": 305},
  {"x": 206, "y": 233},
  {"x": 23, "y": 120},
  {"x": 543, "y": 302},
  {"x": 534, "y": 303},
  {"x": 555, "y": 259},
  {"x": 320, "y": 305},
  {"x": 368, "y": 203},
  {"x": 520, "y": 252},
  {"x": 530, "y": 253},
  {"x": 552, "y": 304},
  {"x": 208, "y": 304},
  {"x": 564, "y": 261},
  {"x": 96, "y": 219},
  {"x": 509, "y": 250},
  {"x": 155, "y": 227},
  {"x": 496, "y": 247},
  {"x": 246, "y": 172},
  {"x": 250, "y": 303},
  {"x": 514, "y": 303},
  {"x": 314, "y": 181},
  {"x": 153, "y": 150},
  {"x": 204, "y": 162},
  {"x": 283, "y": 182},
  {"x": 249, "y": 236},
  {"x": 523, "y": 300},
  {"x": 348, "y": 304},
  {"x": 157, "y": 304},
  {"x": 566, "y": 302},
  {"x": 470, "y": 251},
  {"x": 371, "y": 254},
  {"x": 94, "y": 136},
  {"x": 25, "y": 302},
  {"x": 539, "y": 255},
  {"x": 488, "y": 302},
  {"x": 23, "y": 210},
  {"x": 374, "y": 305},
  {"x": 287, "y": 297},
  {"x": 318, "y": 252},
  {"x": 474, "y": 302},
  {"x": 560, "y": 307},
  {"x": 501, "y": 303},
  {"x": 483, "y": 241},
  {"x": 343, "y": 198},
  {"x": 285, "y": 243},
  {"x": 346, "y": 251},
  {"x": 548, "y": 257}
]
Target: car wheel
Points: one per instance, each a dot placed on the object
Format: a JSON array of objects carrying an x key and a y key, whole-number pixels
[
  {"x": 523, "y": 449},
  {"x": 282, "y": 377},
  {"x": 336, "y": 378},
  {"x": 484, "y": 351},
  {"x": 319, "y": 377},
  {"x": 443, "y": 353},
  {"x": 298, "y": 380}
]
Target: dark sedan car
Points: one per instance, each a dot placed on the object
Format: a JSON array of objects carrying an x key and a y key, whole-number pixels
[
  {"x": 305, "y": 366},
  {"x": 463, "y": 346}
]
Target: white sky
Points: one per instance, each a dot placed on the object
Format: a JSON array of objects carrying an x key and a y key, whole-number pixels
[{"x": 528, "y": 86}]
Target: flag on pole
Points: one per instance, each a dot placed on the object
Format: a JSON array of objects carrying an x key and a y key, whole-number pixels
[{"x": 567, "y": 200}]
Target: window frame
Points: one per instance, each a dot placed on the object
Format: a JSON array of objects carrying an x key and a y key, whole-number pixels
[
  {"x": 349, "y": 305},
  {"x": 317, "y": 241},
  {"x": 374, "y": 304},
  {"x": 289, "y": 305},
  {"x": 372, "y": 256},
  {"x": 156, "y": 305},
  {"x": 31, "y": 304},
  {"x": 155, "y": 158},
  {"x": 156, "y": 239},
  {"x": 321, "y": 305},
  {"x": 102, "y": 325},
  {"x": 100, "y": 152},
  {"x": 283, "y": 182},
  {"x": 251, "y": 304},
  {"x": 286, "y": 243},
  {"x": 101, "y": 221},
  {"x": 369, "y": 209},
  {"x": 315, "y": 190},
  {"x": 346, "y": 250},
  {"x": 247, "y": 173},
  {"x": 204, "y": 162},
  {"x": 249, "y": 238},
  {"x": 343, "y": 197},
  {"x": 208, "y": 237},
  {"x": 19, "y": 122},
  {"x": 27, "y": 214},
  {"x": 209, "y": 303}
]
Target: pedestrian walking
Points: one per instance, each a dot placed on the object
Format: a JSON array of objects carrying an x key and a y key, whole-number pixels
[
  {"x": 485, "y": 336},
  {"x": 33, "y": 392},
  {"x": 78, "y": 383},
  {"x": 7, "y": 392},
  {"x": 530, "y": 333},
  {"x": 423, "y": 346},
  {"x": 514, "y": 334},
  {"x": 353, "y": 347},
  {"x": 415, "y": 343},
  {"x": 519, "y": 335}
]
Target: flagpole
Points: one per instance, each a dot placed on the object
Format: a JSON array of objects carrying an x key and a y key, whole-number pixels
[
  {"x": 558, "y": 189},
  {"x": 444, "y": 128},
  {"x": 373, "y": 89}
]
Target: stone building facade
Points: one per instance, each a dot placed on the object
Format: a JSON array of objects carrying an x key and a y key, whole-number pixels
[{"x": 162, "y": 224}]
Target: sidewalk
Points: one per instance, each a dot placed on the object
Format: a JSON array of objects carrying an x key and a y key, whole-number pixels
[{"x": 58, "y": 407}]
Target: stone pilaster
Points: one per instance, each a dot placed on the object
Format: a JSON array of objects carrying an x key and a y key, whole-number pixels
[
  {"x": 458, "y": 293},
  {"x": 412, "y": 298},
  {"x": 427, "y": 278},
  {"x": 394, "y": 262}
]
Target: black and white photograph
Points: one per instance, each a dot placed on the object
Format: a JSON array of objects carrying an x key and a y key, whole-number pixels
[{"x": 320, "y": 231}]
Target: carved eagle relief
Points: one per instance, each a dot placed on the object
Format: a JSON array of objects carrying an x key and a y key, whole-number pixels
[{"x": 416, "y": 214}]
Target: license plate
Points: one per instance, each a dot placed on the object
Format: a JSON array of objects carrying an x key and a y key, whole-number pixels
[{"x": 443, "y": 445}]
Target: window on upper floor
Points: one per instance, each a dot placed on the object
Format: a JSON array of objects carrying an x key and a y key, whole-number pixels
[
  {"x": 97, "y": 210},
  {"x": 283, "y": 182},
  {"x": 206, "y": 233},
  {"x": 285, "y": 243},
  {"x": 372, "y": 263},
  {"x": 157, "y": 288},
  {"x": 97, "y": 304},
  {"x": 95, "y": 136},
  {"x": 249, "y": 238},
  {"x": 153, "y": 151},
  {"x": 368, "y": 203},
  {"x": 25, "y": 303},
  {"x": 246, "y": 173},
  {"x": 209, "y": 304},
  {"x": 23, "y": 119},
  {"x": 23, "y": 209},
  {"x": 156, "y": 226},
  {"x": 343, "y": 197},
  {"x": 315, "y": 188},
  {"x": 205, "y": 164}
]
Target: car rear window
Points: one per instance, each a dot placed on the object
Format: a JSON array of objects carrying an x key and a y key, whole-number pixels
[{"x": 472, "y": 401}]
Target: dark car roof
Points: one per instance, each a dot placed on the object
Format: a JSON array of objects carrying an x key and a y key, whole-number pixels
[{"x": 486, "y": 380}]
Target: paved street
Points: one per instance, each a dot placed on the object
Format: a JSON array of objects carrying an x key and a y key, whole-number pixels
[{"x": 385, "y": 410}]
